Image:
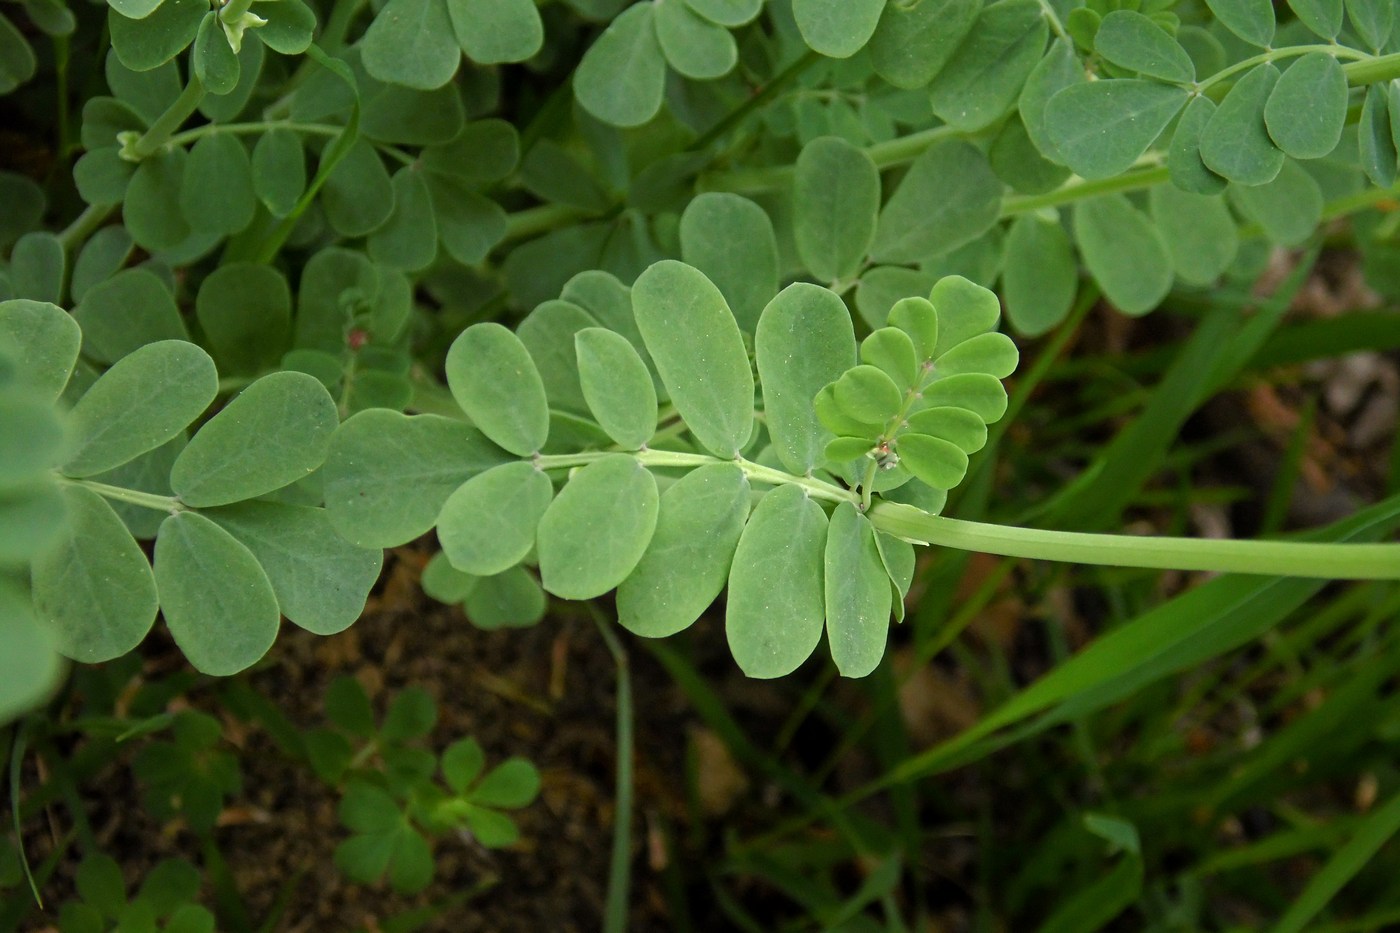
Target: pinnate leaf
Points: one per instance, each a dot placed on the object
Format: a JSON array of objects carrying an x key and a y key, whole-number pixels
[
  {"x": 488, "y": 525},
  {"x": 597, "y": 528},
  {"x": 497, "y": 384},
  {"x": 696, "y": 346},
  {"x": 776, "y": 604},
  {"x": 216, "y": 599},
  {"x": 147, "y": 398},
  {"x": 277, "y": 431}
]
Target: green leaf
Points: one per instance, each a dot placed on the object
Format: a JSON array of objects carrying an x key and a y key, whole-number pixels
[
  {"x": 216, "y": 193},
  {"x": 32, "y": 439},
  {"x": 804, "y": 341},
  {"x": 462, "y": 761},
  {"x": 694, "y": 46},
  {"x": 949, "y": 197},
  {"x": 867, "y": 394},
  {"x": 290, "y": 26},
  {"x": 469, "y": 224},
  {"x": 488, "y": 525},
  {"x": 152, "y": 211},
  {"x": 387, "y": 475},
  {"x": 357, "y": 196},
  {"x": 31, "y": 516},
  {"x": 965, "y": 311},
  {"x": 147, "y": 398},
  {"x": 1041, "y": 276},
  {"x": 484, "y": 151},
  {"x": 1307, "y": 108},
  {"x": 37, "y": 266},
  {"x": 227, "y": 108},
  {"x": 553, "y": 173},
  {"x": 983, "y": 79},
  {"x": 596, "y": 530},
  {"x": 411, "y": 715},
  {"x": 1323, "y": 17},
  {"x": 496, "y": 31},
  {"x": 128, "y": 311},
  {"x": 1124, "y": 253},
  {"x": 495, "y": 381},
  {"x": 274, "y": 433},
  {"x": 1059, "y": 69},
  {"x": 1251, "y": 20},
  {"x": 395, "y": 114},
  {"x": 216, "y": 599},
  {"x": 899, "y": 560},
  {"x": 279, "y": 171},
  {"x": 622, "y": 76},
  {"x": 1376, "y": 137},
  {"x": 892, "y": 351},
  {"x": 245, "y": 311},
  {"x": 149, "y": 472},
  {"x": 135, "y": 9},
  {"x": 837, "y": 28},
  {"x": 1131, "y": 40},
  {"x": 512, "y": 784},
  {"x": 1101, "y": 127},
  {"x": 776, "y": 606},
  {"x": 411, "y": 42},
  {"x": 727, "y": 12},
  {"x": 730, "y": 239},
  {"x": 548, "y": 334},
  {"x": 965, "y": 429},
  {"x": 1019, "y": 162},
  {"x": 687, "y": 561},
  {"x": 918, "y": 318},
  {"x": 17, "y": 61},
  {"x": 695, "y": 343},
  {"x": 215, "y": 62},
  {"x": 912, "y": 43},
  {"x": 940, "y": 463},
  {"x": 409, "y": 239},
  {"x": 1372, "y": 20},
  {"x": 836, "y": 201},
  {"x": 1199, "y": 233},
  {"x": 882, "y": 286},
  {"x": 1289, "y": 208},
  {"x": 321, "y": 580},
  {"x": 93, "y": 587},
  {"x": 102, "y": 176},
  {"x": 44, "y": 342},
  {"x": 1235, "y": 142},
  {"x": 1184, "y": 163},
  {"x": 508, "y": 600},
  {"x": 101, "y": 257},
  {"x": 617, "y": 385},
  {"x": 158, "y": 37},
  {"x": 858, "y": 593}
]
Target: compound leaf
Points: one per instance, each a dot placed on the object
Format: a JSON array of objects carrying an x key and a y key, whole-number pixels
[
  {"x": 777, "y": 604},
  {"x": 617, "y": 386},
  {"x": 697, "y": 348},
  {"x": 217, "y": 601},
  {"x": 321, "y": 580},
  {"x": 687, "y": 561},
  {"x": 93, "y": 587},
  {"x": 497, "y": 384},
  {"x": 387, "y": 474},
  {"x": 804, "y": 341},
  {"x": 596, "y": 530},
  {"x": 858, "y": 593},
  {"x": 275, "y": 432},
  {"x": 488, "y": 525},
  {"x": 147, "y": 398}
]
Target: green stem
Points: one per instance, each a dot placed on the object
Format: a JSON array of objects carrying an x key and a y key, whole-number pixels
[
  {"x": 1293, "y": 51},
  {"x": 167, "y": 123},
  {"x": 248, "y": 129},
  {"x": 1373, "y": 70},
  {"x": 83, "y": 226},
  {"x": 1057, "y": 27},
  {"x": 1079, "y": 190},
  {"x": 542, "y": 219},
  {"x": 669, "y": 458},
  {"x": 619, "y": 867},
  {"x": 146, "y": 500},
  {"x": 1319, "y": 560}
]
